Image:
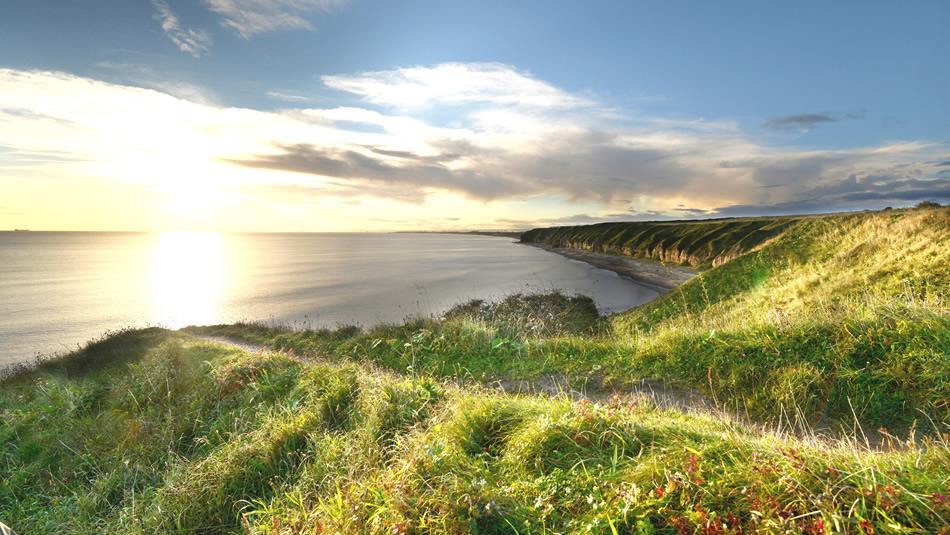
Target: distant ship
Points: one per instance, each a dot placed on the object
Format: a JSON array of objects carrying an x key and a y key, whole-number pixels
[{"x": 21, "y": 230}]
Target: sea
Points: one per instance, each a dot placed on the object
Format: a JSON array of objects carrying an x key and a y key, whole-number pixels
[{"x": 58, "y": 290}]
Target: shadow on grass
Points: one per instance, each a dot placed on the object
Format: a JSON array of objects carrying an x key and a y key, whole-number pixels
[{"x": 111, "y": 348}]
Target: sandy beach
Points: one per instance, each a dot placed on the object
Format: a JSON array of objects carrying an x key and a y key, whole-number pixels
[{"x": 662, "y": 277}]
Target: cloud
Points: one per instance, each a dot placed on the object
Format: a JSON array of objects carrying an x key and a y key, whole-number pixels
[
  {"x": 849, "y": 194},
  {"x": 453, "y": 84},
  {"x": 194, "y": 42},
  {"x": 408, "y": 171},
  {"x": 583, "y": 165},
  {"x": 807, "y": 121},
  {"x": 141, "y": 75},
  {"x": 286, "y": 96},
  {"x": 302, "y": 193},
  {"x": 504, "y": 149},
  {"x": 251, "y": 17},
  {"x": 30, "y": 114}
]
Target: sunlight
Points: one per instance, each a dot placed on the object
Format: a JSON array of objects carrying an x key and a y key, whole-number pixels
[{"x": 188, "y": 278}]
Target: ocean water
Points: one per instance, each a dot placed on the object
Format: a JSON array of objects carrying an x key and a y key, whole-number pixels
[{"x": 58, "y": 290}]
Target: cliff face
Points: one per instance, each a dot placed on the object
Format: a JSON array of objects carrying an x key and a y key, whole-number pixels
[{"x": 695, "y": 243}]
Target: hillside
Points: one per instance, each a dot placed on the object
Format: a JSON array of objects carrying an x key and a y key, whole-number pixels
[
  {"x": 816, "y": 323},
  {"x": 836, "y": 315},
  {"x": 695, "y": 243}
]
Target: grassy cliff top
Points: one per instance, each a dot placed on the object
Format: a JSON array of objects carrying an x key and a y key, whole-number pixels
[{"x": 698, "y": 243}]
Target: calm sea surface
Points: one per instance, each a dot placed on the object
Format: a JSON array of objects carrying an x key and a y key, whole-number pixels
[{"x": 58, "y": 290}]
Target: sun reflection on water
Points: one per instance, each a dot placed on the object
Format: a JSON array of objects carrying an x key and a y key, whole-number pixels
[{"x": 188, "y": 278}]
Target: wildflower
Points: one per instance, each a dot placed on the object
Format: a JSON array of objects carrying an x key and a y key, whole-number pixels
[
  {"x": 659, "y": 492},
  {"x": 692, "y": 466},
  {"x": 681, "y": 524},
  {"x": 732, "y": 520},
  {"x": 867, "y": 526}
]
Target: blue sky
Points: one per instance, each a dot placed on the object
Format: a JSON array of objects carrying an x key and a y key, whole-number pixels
[{"x": 838, "y": 105}]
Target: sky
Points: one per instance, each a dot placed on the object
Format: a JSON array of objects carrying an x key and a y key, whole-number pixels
[{"x": 359, "y": 115}]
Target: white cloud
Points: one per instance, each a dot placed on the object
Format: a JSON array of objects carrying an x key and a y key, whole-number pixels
[
  {"x": 287, "y": 96},
  {"x": 504, "y": 150},
  {"x": 251, "y": 17},
  {"x": 194, "y": 42},
  {"x": 454, "y": 83},
  {"x": 141, "y": 75}
]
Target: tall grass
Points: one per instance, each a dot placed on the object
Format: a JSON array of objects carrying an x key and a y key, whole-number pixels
[{"x": 200, "y": 437}]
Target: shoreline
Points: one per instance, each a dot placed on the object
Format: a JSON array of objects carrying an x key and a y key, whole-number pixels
[{"x": 650, "y": 273}]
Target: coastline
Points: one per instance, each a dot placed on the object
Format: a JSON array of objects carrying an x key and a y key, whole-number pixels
[{"x": 655, "y": 275}]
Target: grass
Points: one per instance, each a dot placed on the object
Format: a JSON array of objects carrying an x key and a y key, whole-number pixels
[
  {"x": 696, "y": 243},
  {"x": 194, "y": 436},
  {"x": 840, "y": 318},
  {"x": 395, "y": 429}
]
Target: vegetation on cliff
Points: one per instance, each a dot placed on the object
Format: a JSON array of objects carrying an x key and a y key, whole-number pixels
[{"x": 695, "y": 243}]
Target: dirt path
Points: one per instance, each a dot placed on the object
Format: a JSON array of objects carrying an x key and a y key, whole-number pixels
[
  {"x": 250, "y": 347},
  {"x": 655, "y": 392},
  {"x": 658, "y": 393}
]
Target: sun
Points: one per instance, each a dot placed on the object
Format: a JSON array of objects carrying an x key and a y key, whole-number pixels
[
  {"x": 188, "y": 278},
  {"x": 187, "y": 199}
]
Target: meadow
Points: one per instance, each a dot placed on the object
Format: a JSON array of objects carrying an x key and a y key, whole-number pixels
[{"x": 819, "y": 347}]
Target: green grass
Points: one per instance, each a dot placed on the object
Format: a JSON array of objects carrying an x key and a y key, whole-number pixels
[
  {"x": 835, "y": 320},
  {"x": 696, "y": 243},
  {"x": 192, "y": 436},
  {"x": 840, "y": 318}
]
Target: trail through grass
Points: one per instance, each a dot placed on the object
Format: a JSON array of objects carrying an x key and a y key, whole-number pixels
[{"x": 196, "y": 436}]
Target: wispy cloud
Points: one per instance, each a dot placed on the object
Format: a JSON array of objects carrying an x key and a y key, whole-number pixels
[
  {"x": 251, "y": 17},
  {"x": 287, "y": 96},
  {"x": 807, "y": 121},
  {"x": 191, "y": 41},
  {"x": 139, "y": 74},
  {"x": 454, "y": 83}
]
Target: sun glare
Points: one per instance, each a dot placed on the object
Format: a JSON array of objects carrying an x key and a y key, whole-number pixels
[{"x": 188, "y": 278}]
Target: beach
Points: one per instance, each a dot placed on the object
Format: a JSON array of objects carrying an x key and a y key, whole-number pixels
[{"x": 659, "y": 276}]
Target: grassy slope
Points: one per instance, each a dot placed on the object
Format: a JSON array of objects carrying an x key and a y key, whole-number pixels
[
  {"x": 697, "y": 243},
  {"x": 193, "y": 436},
  {"x": 839, "y": 317},
  {"x": 837, "y": 309},
  {"x": 157, "y": 431}
]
